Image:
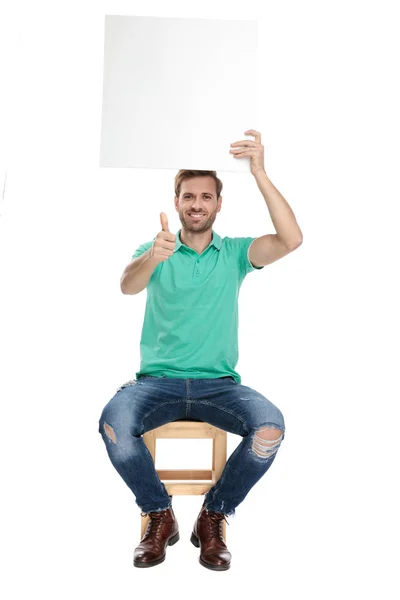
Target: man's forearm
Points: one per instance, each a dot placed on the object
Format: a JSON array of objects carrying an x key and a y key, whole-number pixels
[
  {"x": 282, "y": 215},
  {"x": 137, "y": 274}
]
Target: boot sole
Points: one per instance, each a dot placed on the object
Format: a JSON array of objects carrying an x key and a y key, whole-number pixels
[
  {"x": 171, "y": 542},
  {"x": 195, "y": 541}
]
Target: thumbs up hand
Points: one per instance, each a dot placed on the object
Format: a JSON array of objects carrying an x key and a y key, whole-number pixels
[
  {"x": 164, "y": 244},
  {"x": 164, "y": 222}
]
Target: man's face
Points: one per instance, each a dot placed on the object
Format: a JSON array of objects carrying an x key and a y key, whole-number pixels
[{"x": 198, "y": 197}]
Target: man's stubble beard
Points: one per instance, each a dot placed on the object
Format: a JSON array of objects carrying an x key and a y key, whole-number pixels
[{"x": 193, "y": 228}]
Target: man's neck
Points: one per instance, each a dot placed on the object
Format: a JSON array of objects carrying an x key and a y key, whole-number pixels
[{"x": 197, "y": 241}]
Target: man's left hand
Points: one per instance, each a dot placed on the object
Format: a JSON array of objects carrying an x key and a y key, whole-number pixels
[{"x": 253, "y": 149}]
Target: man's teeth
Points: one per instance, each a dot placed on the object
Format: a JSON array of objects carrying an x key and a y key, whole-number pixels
[{"x": 195, "y": 216}]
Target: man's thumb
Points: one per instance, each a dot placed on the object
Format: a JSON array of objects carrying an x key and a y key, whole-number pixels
[{"x": 164, "y": 222}]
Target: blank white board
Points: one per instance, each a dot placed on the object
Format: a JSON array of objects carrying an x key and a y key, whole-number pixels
[{"x": 177, "y": 92}]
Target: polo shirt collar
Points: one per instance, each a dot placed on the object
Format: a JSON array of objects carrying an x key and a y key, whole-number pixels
[{"x": 216, "y": 240}]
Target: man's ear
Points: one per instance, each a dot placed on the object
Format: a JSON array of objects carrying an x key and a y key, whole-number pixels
[{"x": 219, "y": 203}]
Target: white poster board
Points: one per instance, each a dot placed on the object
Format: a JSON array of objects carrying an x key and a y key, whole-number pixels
[{"x": 177, "y": 92}]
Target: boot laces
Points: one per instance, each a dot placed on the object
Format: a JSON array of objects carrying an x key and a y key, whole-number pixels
[
  {"x": 155, "y": 523},
  {"x": 214, "y": 523}
]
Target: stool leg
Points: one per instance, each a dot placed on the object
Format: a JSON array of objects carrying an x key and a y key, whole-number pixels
[
  {"x": 219, "y": 460},
  {"x": 143, "y": 525},
  {"x": 150, "y": 441},
  {"x": 219, "y": 452}
]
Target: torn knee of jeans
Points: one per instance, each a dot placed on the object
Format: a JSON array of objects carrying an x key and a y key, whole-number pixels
[
  {"x": 110, "y": 432},
  {"x": 266, "y": 441}
]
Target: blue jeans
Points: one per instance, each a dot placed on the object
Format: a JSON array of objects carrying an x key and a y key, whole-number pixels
[{"x": 142, "y": 404}]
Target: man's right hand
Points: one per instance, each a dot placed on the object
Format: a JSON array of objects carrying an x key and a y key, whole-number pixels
[{"x": 164, "y": 244}]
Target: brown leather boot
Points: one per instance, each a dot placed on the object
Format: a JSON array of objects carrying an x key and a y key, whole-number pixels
[
  {"x": 207, "y": 534},
  {"x": 161, "y": 531}
]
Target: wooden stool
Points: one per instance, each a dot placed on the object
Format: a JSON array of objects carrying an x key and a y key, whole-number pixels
[{"x": 193, "y": 430}]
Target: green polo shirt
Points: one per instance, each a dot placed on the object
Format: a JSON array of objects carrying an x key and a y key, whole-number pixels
[{"x": 190, "y": 326}]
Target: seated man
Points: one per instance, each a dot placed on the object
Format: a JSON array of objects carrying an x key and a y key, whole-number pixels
[{"x": 189, "y": 350}]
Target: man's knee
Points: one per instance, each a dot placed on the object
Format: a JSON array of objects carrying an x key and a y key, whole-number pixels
[
  {"x": 109, "y": 431},
  {"x": 266, "y": 440}
]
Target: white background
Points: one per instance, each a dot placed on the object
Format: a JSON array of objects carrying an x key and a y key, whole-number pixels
[{"x": 318, "y": 330}]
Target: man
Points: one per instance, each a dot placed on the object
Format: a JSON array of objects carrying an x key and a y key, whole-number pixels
[{"x": 189, "y": 350}]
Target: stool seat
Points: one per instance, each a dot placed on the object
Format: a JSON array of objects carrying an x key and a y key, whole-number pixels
[{"x": 176, "y": 481}]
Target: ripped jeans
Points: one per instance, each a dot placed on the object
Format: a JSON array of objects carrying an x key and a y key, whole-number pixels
[{"x": 149, "y": 402}]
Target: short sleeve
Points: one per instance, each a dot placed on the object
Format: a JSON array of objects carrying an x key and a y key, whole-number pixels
[
  {"x": 243, "y": 247},
  {"x": 142, "y": 248}
]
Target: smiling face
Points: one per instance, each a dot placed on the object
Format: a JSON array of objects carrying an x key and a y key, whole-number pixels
[{"x": 198, "y": 197}]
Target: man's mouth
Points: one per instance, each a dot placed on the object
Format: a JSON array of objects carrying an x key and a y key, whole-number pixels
[{"x": 196, "y": 216}]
